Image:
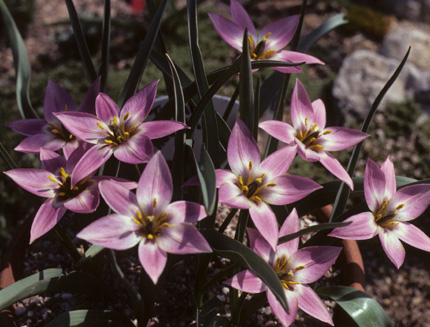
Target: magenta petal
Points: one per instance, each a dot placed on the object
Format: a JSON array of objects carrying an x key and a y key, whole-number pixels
[
  {"x": 265, "y": 221},
  {"x": 241, "y": 17},
  {"x": 161, "y": 128},
  {"x": 341, "y": 138},
  {"x": 374, "y": 185},
  {"x": 392, "y": 247},
  {"x": 106, "y": 108},
  {"x": 83, "y": 125},
  {"x": 287, "y": 70},
  {"x": 152, "y": 258},
  {"x": 306, "y": 153},
  {"x": 90, "y": 162},
  {"x": 230, "y": 195},
  {"x": 185, "y": 211},
  {"x": 415, "y": 199},
  {"x": 137, "y": 149},
  {"x": 316, "y": 261},
  {"x": 46, "y": 218},
  {"x": 390, "y": 177},
  {"x": 297, "y": 57},
  {"x": 71, "y": 146},
  {"x": 155, "y": 184},
  {"x": 33, "y": 143},
  {"x": 224, "y": 176},
  {"x": 35, "y": 181},
  {"x": 412, "y": 235},
  {"x": 28, "y": 126},
  {"x": 51, "y": 161},
  {"x": 229, "y": 31},
  {"x": 140, "y": 104},
  {"x": 279, "y": 161},
  {"x": 242, "y": 149},
  {"x": 301, "y": 107},
  {"x": 259, "y": 245},
  {"x": 362, "y": 227},
  {"x": 114, "y": 232},
  {"x": 319, "y": 113},
  {"x": 281, "y": 32},
  {"x": 85, "y": 202},
  {"x": 334, "y": 166},
  {"x": 182, "y": 238},
  {"x": 120, "y": 199},
  {"x": 56, "y": 99},
  {"x": 311, "y": 303},
  {"x": 88, "y": 104},
  {"x": 129, "y": 185},
  {"x": 290, "y": 225},
  {"x": 283, "y": 316},
  {"x": 279, "y": 130},
  {"x": 246, "y": 281}
]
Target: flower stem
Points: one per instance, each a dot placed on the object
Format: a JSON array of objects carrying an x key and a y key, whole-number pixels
[
  {"x": 67, "y": 242},
  {"x": 227, "y": 220}
]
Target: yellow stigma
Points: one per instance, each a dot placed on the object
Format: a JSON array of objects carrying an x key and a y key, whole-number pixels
[{"x": 126, "y": 116}]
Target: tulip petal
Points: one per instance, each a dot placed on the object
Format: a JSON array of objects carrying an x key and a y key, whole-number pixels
[
  {"x": 83, "y": 125},
  {"x": 88, "y": 104},
  {"x": 281, "y": 32},
  {"x": 246, "y": 281},
  {"x": 152, "y": 258},
  {"x": 182, "y": 238},
  {"x": 56, "y": 99},
  {"x": 340, "y": 138},
  {"x": 296, "y": 57},
  {"x": 307, "y": 154},
  {"x": 106, "y": 108},
  {"x": 51, "y": 161},
  {"x": 283, "y": 316},
  {"x": 291, "y": 225},
  {"x": 230, "y": 195},
  {"x": 140, "y": 104},
  {"x": 412, "y": 235},
  {"x": 230, "y": 32},
  {"x": 85, "y": 202},
  {"x": 265, "y": 221},
  {"x": 28, "y": 126},
  {"x": 390, "y": 177},
  {"x": 224, "y": 176},
  {"x": 259, "y": 245},
  {"x": 374, "y": 185},
  {"x": 279, "y": 161},
  {"x": 392, "y": 246},
  {"x": 33, "y": 143},
  {"x": 319, "y": 113},
  {"x": 35, "y": 181},
  {"x": 161, "y": 128},
  {"x": 311, "y": 303},
  {"x": 334, "y": 166},
  {"x": 415, "y": 199},
  {"x": 120, "y": 199},
  {"x": 241, "y": 17},
  {"x": 137, "y": 149},
  {"x": 362, "y": 227},
  {"x": 46, "y": 218},
  {"x": 185, "y": 211},
  {"x": 279, "y": 130}
]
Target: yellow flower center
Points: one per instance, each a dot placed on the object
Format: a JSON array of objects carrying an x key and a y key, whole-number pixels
[
  {"x": 118, "y": 132},
  {"x": 151, "y": 226},
  {"x": 285, "y": 273},
  {"x": 66, "y": 190},
  {"x": 384, "y": 217},
  {"x": 310, "y": 135},
  {"x": 60, "y": 132},
  {"x": 258, "y": 52}
]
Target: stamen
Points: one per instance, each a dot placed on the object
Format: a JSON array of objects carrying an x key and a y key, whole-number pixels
[
  {"x": 240, "y": 180},
  {"x": 132, "y": 128},
  {"x": 139, "y": 215},
  {"x": 115, "y": 120},
  {"x": 285, "y": 284},
  {"x": 55, "y": 131},
  {"x": 155, "y": 202},
  {"x": 266, "y": 37},
  {"x": 328, "y": 132},
  {"x": 271, "y": 184},
  {"x": 283, "y": 260},
  {"x": 291, "y": 273},
  {"x": 100, "y": 125},
  {"x": 52, "y": 179},
  {"x": 74, "y": 188},
  {"x": 254, "y": 56},
  {"x": 63, "y": 172},
  {"x": 258, "y": 180},
  {"x": 137, "y": 221},
  {"x": 257, "y": 198},
  {"x": 245, "y": 188},
  {"x": 313, "y": 127},
  {"x": 400, "y": 206},
  {"x": 268, "y": 53},
  {"x": 319, "y": 146},
  {"x": 150, "y": 236},
  {"x": 109, "y": 141},
  {"x": 250, "y": 41},
  {"x": 70, "y": 136},
  {"x": 165, "y": 225},
  {"x": 306, "y": 122},
  {"x": 65, "y": 107},
  {"x": 250, "y": 166},
  {"x": 53, "y": 125},
  {"x": 299, "y": 268},
  {"x": 61, "y": 194},
  {"x": 126, "y": 116},
  {"x": 301, "y": 135}
]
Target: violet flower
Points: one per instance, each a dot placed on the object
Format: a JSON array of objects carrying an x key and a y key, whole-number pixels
[
  {"x": 67, "y": 184},
  {"x": 295, "y": 268},
  {"x": 312, "y": 139},
  {"x": 268, "y": 43},
  {"x": 49, "y": 133},
  {"x": 390, "y": 211},
  {"x": 252, "y": 184},
  {"x": 149, "y": 219},
  {"x": 121, "y": 133}
]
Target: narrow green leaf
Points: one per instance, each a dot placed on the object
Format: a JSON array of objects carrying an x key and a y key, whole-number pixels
[
  {"x": 142, "y": 57},
  {"x": 361, "y": 308},
  {"x": 342, "y": 195},
  {"x": 224, "y": 132},
  {"x": 90, "y": 318},
  {"x": 246, "y": 91},
  {"x": 311, "y": 229},
  {"x": 81, "y": 42},
  {"x": 256, "y": 109},
  {"x": 208, "y": 315},
  {"x": 104, "y": 68},
  {"x": 295, "y": 41},
  {"x": 7, "y": 158},
  {"x": 21, "y": 63},
  {"x": 90, "y": 253},
  {"x": 251, "y": 306},
  {"x": 244, "y": 256}
]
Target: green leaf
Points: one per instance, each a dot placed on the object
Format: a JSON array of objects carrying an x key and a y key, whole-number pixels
[
  {"x": 361, "y": 308},
  {"x": 208, "y": 315},
  {"x": 7, "y": 158},
  {"x": 49, "y": 280},
  {"x": 246, "y": 91},
  {"x": 343, "y": 193},
  {"x": 21, "y": 63},
  {"x": 90, "y": 253},
  {"x": 311, "y": 229},
  {"x": 141, "y": 60},
  {"x": 90, "y": 318},
  {"x": 81, "y": 42},
  {"x": 104, "y": 68},
  {"x": 244, "y": 256}
]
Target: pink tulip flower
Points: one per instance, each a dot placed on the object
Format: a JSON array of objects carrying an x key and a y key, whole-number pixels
[
  {"x": 149, "y": 219},
  {"x": 312, "y": 139},
  {"x": 295, "y": 268},
  {"x": 268, "y": 43},
  {"x": 390, "y": 211}
]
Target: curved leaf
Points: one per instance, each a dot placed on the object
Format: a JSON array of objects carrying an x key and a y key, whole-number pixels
[
  {"x": 246, "y": 91},
  {"x": 87, "y": 318}
]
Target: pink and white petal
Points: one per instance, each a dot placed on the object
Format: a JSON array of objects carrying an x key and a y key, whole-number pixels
[
  {"x": 265, "y": 221},
  {"x": 46, "y": 218},
  {"x": 334, "y": 166},
  {"x": 92, "y": 160},
  {"x": 152, "y": 258},
  {"x": 412, "y": 235},
  {"x": 279, "y": 161},
  {"x": 155, "y": 187},
  {"x": 307, "y": 154},
  {"x": 259, "y": 245},
  {"x": 316, "y": 260},
  {"x": 279, "y": 130},
  {"x": 85, "y": 202},
  {"x": 301, "y": 107},
  {"x": 120, "y": 199},
  {"x": 106, "y": 108},
  {"x": 35, "y": 181},
  {"x": 230, "y": 195},
  {"x": 70, "y": 146},
  {"x": 161, "y": 128},
  {"x": 392, "y": 246},
  {"x": 390, "y": 177},
  {"x": 88, "y": 104},
  {"x": 311, "y": 303},
  {"x": 129, "y": 185},
  {"x": 290, "y": 225},
  {"x": 140, "y": 104},
  {"x": 230, "y": 32},
  {"x": 415, "y": 199},
  {"x": 241, "y": 18},
  {"x": 287, "y": 69},
  {"x": 182, "y": 238},
  {"x": 374, "y": 185},
  {"x": 136, "y": 150},
  {"x": 83, "y": 126},
  {"x": 113, "y": 231},
  {"x": 284, "y": 317},
  {"x": 242, "y": 149},
  {"x": 51, "y": 161},
  {"x": 362, "y": 227},
  {"x": 288, "y": 189},
  {"x": 281, "y": 32},
  {"x": 33, "y": 143},
  {"x": 296, "y": 57},
  {"x": 28, "y": 126},
  {"x": 224, "y": 176},
  {"x": 56, "y": 99},
  {"x": 319, "y": 113},
  {"x": 246, "y": 281},
  {"x": 185, "y": 211},
  {"x": 340, "y": 138}
]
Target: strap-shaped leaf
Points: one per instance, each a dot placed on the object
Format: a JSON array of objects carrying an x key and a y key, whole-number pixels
[
  {"x": 87, "y": 318},
  {"x": 49, "y": 280},
  {"x": 90, "y": 253},
  {"x": 141, "y": 60},
  {"x": 362, "y": 308},
  {"x": 21, "y": 63},
  {"x": 342, "y": 195},
  {"x": 208, "y": 315},
  {"x": 81, "y": 42},
  {"x": 246, "y": 91},
  {"x": 245, "y": 257},
  {"x": 104, "y": 68}
]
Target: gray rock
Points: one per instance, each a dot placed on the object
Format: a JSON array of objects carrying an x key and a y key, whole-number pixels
[{"x": 414, "y": 10}]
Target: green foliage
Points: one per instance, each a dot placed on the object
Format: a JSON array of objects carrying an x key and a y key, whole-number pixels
[
  {"x": 22, "y": 12},
  {"x": 401, "y": 118}
]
